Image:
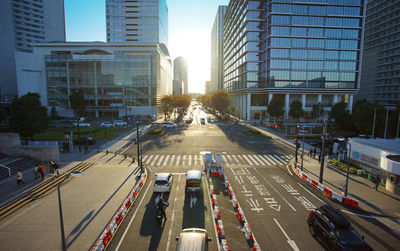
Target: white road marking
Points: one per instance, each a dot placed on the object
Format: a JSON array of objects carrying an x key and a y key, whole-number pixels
[
  {"x": 166, "y": 160},
  {"x": 224, "y": 159},
  {"x": 360, "y": 215},
  {"x": 177, "y": 160},
  {"x": 193, "y": 200},
  {"x": 275, "y": 190},
  {"x": 311, "y": 193},
  {"x": 247, "y": 159},
  {"x": 130, "y": 222},
  {"x": 173, "y": 215},
  {"x": 229, "y": 157},
  {"x": 144, "y": 158},
  {"x": 154, "y": 160},
  {"x": 183, "y": 159},
  {"x": 279, "y": 158},
  {"x": 160, "y": 160},
  {"x": 149, "y": 159},
  {"x": 257, "y": 157},
  {"x": 265, "y": 160},
  {"x": 287, "y": 166},
  {"x": 172, "y": 159},
  {"x": 289, "y": 241},
  {"x": 190, "y": 160},
  {"x": 201, "y": 160},
  {"x": 252, "y": 159},
  {"x": 270, "y": 159},
  {"x": 236, "y": 159}
]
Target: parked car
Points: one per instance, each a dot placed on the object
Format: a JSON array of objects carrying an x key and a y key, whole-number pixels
[
  {"x": 163, "y": 183},
  {"x": 334, "y": 231},
  {"x": 81, "y": 124},
  {"x": 203, "y": 121},
  {"x": 107, "y": 124},
  {"x": 193, "y": 239},
  {"x": 169, "y": 124},
  {"x": 189, "y": 121},
  {"x": 85, "y": 140},
  {"x": 120, "y": 123}
]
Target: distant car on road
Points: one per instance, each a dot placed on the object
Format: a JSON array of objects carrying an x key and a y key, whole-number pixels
[
  {"x": 189, "y": 121},
  {"x": 120, "y": 123},
  {"x": 169, "y": 124},
  {"x": 107, "y": 124},
  {"x": 203, "y": 121},
  {"x": 334, "y": 231},
  {"x": 209, "y": 120},
  {"x": 163, "y": 183},
  {"x": 194, "y": 239},
  {"x": 81, "y": 124}
]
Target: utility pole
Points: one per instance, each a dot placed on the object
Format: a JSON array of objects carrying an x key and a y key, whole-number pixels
[
  {"x": 323, "y": 137},
  {"x": 373, "y": 126},
  {"x": 138, "y": 147}
]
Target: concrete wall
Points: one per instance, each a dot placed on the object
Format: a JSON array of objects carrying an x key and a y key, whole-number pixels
[{"x": 10, "y": 144}]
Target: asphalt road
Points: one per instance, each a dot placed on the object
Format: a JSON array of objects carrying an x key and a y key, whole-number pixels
[{"x": 275, "y": 202}]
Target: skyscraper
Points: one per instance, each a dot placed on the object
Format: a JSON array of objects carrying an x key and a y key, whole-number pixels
[
  {"x": 217, "y": 35},
  {"x": 380, "y": 77},
  {"x": 181, "y": 72},
  {"x": 308, "y": 52},
  {"x": 137, "y": 20},
  {"x": 23, "y": 22}
]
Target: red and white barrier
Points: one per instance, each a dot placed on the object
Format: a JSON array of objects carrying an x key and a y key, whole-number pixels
[
  {"x": 255, "y": 247},
  {"x": 220, "y": 229},
  {"x": 239, "y": 214},
  {"x": 217, "y": 215},
  {"x": 247, "y": 231},
  {"x": 337, "y": 197},
  {"x": 224, "y": 245}
]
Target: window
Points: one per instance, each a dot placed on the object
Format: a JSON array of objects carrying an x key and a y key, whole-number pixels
[
  {"x": 314, "y": 65},
  {"x": 313, "y": 75},
  {"x": 330, "y": 65},
  {"x": 281, "y": 31},
  {"x": 315, "y": 54},
  {"x": 281, "y": 53},
  {"x": 299, "y": 42},
  {"x": 351, "y": 22},
  {"x": 298, "y": 75},
  {"x": 299, "y": 65},
  {"x": 331, "y": 76},
  {"x": 297, "y": 31},
  {"x": 281, "y": 8},
  {"x": 350, "y": 33},
  {"x": 300, "y": 54},
  {"x": 331, "y": 55},
  {"x": 317, "y": 10},
  {"x": 331, "y": 44},
  {"x": 279, "y": 75},
  {"x": 299, "y": 20},
  {"x": 333, "y": 33},
  {"x": 335, "y": 10},
  {"x": 333, "y": 21},
  {"x": 348, "y": 44},
  {"x": 315, "y": 43},
  {"x": 280, "y": 64},
  {"x": 280, "y": 19},
  {"x": 352, "y": 11},
  {"x": 299, "y": 9},
  {"x": 347, "y": 66},
  {"x": 347, "y": 76},
  {"x": 315, "y": 32},
  {"x": 280, "y": 42},
  {"x": 317, "y": 21}
]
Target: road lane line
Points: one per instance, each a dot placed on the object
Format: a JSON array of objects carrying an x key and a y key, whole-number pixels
[
  {"x": 236, "y": 159},
  {"x": 247, "y": 159},
  {"x": 154, "y": 160},
  {"x": 160, "y": 160},
  {"x": 265, "y": 160},
  {"x": 201, "y": 160},
  {"x": 294, "y": 209},
  {"x": 259, "y": 160},
  {"x": 229, "y": 157},
  {"x": 183, "y": 160},
  {"x": 270, "y": 159},
  {"x": 359, "y": 215},
  {"x": 311, "y": 193},
  {"x": 224, "y": 159},
  {"x": 149, "y": 159},
  {"x": 287, "y": 166},
  {"x": 177, "y": 160},
  {"x": 166, "y": 160},
  {"x": 279, "y": 158},
  {"x": 130, "y": 222},
  {"x": 190, "y": 160},
  {"x": 172, "y": 159},
  {"x": 144, "y": 158},
  {"x": 173, "y": 215},
  {"x": 252, "y": 159},
  {"x": 289, "y": 241}
]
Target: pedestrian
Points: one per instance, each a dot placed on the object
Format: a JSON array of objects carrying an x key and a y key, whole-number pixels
[
  {"x": 86, "y": 148},
  {"x": 36, "y": 172},
  {"x": 19, "y": 178},
  {"x": 42, "y": 170},
  {"x": 51, "y": 167},
  {"x": 377, "y": 181},
  {"x": 56, "y": 166}
]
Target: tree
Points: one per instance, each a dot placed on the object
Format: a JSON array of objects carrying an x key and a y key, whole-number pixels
[
  {"x": 342, "y": 116},
  {"x": 53, "y": 112},
  {"x": 27, "y": 116},
  {"x": 317, "y": 111},
  {"x": 78, "y": 103},
  {"x": 167, "y": 105},
  {"x": 220, "y": 101},
  {"x": 296, "y": 110},
  {"x": 276, "y": 107}
]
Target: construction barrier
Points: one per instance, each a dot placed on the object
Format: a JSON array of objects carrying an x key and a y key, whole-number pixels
[
  {"x": 220, "y": 229},
  {"x": 247, "y": 231},
  {"x": 255, "y": 247},
  {"x": 217, "y": 215},
  {"x": 112, "y": 226},
  {"x": 337, "y": 197},
  {"x": 239, "y": 214},
  {"x": 224, "y": 245}
]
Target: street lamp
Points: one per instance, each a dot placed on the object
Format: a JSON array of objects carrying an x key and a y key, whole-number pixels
[
  {"x": 302, "y": 152},
  {"x": 68, "y": 175},
  {"x": 348, "y": 168}
]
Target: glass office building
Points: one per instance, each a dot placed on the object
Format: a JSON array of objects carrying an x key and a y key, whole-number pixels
[
  {"x": 380, "y": 77},
  {"x": 306, "y": 50},
  {"x": 217, "y": 36},
  {"x": 117, "y": 79},
  {"x": 137, "y": 21}
]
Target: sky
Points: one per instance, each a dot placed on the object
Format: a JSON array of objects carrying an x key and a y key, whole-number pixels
[{"x": 189, "y": 22}]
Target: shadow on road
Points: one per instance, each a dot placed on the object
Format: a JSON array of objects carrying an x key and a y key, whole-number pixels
[{"x": 194, "y": 216}]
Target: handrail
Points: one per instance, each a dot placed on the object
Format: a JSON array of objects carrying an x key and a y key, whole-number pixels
[{"x": 9, "y": 170}]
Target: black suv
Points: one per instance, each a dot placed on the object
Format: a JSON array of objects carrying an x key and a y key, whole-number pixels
[{"x": 334, "y": 231}]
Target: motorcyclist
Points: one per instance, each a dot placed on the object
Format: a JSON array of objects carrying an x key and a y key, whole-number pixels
[{"x": 162, "y": 205}]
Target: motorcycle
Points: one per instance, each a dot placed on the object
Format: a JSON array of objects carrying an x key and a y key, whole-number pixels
[{"x": 159, "y": 214}]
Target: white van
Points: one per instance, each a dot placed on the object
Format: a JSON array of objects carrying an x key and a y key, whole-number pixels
[
  {"x": 193, "y": 183},
  {"x": 193, "y": 239}
]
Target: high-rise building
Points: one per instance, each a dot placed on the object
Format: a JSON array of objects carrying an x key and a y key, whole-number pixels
[
  {"x": 178, "y": 87},
  {"x": 23, "y": 22},
  {"x": 207, "y": 88},
  {"x": 137, "y": 21},
  {"x": 217, "y": 36},
  {"x": 181, "y": 72},
  {"x": 308, "y": 52},
  {"x": 380, "y": 76},
  {"x": 117, "y": 79}
]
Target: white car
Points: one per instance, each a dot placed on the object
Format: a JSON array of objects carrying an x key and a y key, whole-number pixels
[
  {"x": 120, "y": 123},
  {"x": 163, "y": 183},
  {"x": 81, "y": 124},
  {"x": 106, "y": 124},
  {"x": 169, "y": 124}
]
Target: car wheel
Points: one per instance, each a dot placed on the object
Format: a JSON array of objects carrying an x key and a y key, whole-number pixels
[{"x": 312, "y": 231}]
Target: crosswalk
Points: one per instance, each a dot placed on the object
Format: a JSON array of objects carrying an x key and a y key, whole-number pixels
[{"x": 227, "y": 160}]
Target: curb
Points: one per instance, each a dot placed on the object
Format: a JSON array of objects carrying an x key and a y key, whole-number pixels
[
  {"x": 113, "y": 225},
  {"x": 325, "y": 190}
]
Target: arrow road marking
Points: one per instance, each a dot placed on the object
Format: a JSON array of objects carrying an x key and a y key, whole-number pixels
[
  {"x": 193, "y": 200},
  {"x": 289, "y": 241}
]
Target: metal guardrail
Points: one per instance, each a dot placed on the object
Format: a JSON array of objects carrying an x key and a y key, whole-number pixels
[{"x": 9, "y": 170}]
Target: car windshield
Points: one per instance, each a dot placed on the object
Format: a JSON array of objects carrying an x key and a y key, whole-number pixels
[
  {"x": 349, "y": 237},
  {"x": 161, "y": 182},
  {"x": 193, "y": 183}
]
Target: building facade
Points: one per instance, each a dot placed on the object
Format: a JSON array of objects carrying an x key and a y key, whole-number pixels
[
  {"x": 296, "y": 51},
  {"x": 380, "y": 77},
  {"x": 207, "y": 88},
  {"x": 217, "y": 36},
  {"x": 178, "y": 86},
  {"x": 181, "y": 72},
  {"x": 23, "y": 22},
  {"x": 117, "y": 79},
  {"x": 137, "y": 21}
]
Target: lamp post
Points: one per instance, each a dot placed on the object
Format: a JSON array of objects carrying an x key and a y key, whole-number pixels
[
  {"x": 302, "y": 152},
  {"x": 348, "y": 168},
  {"x": 68, "y": 175}
]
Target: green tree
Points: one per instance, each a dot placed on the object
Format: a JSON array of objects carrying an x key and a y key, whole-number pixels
[
  {"x": 53, "y": 112},
  {"x": 317, "y": 111},
  {"x": 28, "y": 117},
  {"x": 78, "y": 103},
  {"x": 276, "y": 106},
  {"x": 167, "y": 105},
  {"x": 342, "y": 116},
  {"x": 3, "y": 114},
  {"x": 296, "y": 110},
  {"x": 220, "y": 101}
]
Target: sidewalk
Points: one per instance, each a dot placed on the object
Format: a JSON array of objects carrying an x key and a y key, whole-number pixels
[{"x": 88, "y": 203}]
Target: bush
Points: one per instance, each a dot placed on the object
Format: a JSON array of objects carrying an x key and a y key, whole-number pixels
[
  {"x": 343, "y": 166},
  {"x": 256, "y": 133},
  {"x": 156, "y": 131}
]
